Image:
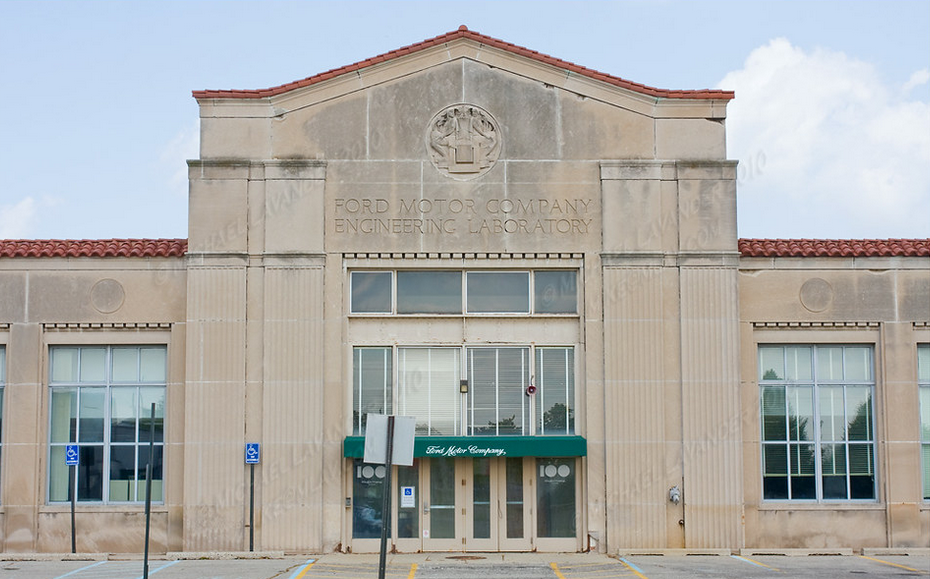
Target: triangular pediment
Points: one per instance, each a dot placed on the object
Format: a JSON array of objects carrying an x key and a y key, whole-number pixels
[{"x": 467, "y": 45}]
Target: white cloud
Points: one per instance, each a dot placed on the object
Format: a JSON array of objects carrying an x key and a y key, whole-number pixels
[
  {"x": 826, "y": 148},
  {"x": 174, "y": 156},
  {"x": 918, "y": 78},
  {"x": 16, "y": 221}
]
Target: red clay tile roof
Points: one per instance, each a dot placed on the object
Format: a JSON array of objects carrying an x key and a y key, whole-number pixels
[
  {"x": 464, "y": 32},
  {"x": 93, "y": 248},
  {"x": 834, "y": 247},
  {"x": 747, "y": 247}
]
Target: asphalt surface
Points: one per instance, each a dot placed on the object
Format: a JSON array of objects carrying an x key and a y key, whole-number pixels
[{"x": 478, "y": 566}]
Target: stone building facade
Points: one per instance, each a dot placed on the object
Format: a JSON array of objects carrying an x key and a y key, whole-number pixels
[{"x": 538, "y": 261}]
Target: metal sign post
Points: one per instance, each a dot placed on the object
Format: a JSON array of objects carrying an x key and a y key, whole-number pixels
[
  {"x": 72, "y": 459},
  {"x": 148, "y": 493},
  {"x": 388, "y": 441},
  {"x": 386, "y": 498},
  {"x": 253, "y": 454}
]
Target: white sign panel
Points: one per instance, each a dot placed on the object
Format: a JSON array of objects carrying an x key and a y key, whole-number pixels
[
  {"x": 376, "y": 439},
  {"x": 408, "y": 498}
]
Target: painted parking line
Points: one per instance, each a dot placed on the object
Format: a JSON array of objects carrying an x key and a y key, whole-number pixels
[
  {"x": 636, "y": 570},
  {"x": 606, "y": 570},
  {"x": 905, "y": 567},
  {"x": 302, "y": 570},
  {"x": 748, "y": 560},
  {"x": 81, "y": 569},
  {"x": 355, "y": 570},
  {"x": 165, "y": 566}
]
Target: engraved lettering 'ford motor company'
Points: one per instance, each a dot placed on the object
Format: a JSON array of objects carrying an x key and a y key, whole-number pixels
[{"x": 463, "y": 141}]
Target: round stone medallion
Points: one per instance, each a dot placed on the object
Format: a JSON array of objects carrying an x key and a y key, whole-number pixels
[
  {"x": 107, "y": 296},
  {"x": 816, "y": 294},
  {"x": 463, "y": 141}
]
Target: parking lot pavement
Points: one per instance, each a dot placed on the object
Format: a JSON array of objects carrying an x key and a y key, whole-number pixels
[
  {"x": 158, "y": 569},
  {"x": 812, "y": 566},
  {"x": 484, "y": 565}
]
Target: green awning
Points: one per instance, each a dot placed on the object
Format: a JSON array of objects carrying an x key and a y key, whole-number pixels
[{"x": 472, "y": 446}]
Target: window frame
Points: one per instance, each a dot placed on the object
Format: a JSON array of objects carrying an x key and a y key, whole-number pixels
[
  {"x": 463, "y": 426},
  {"x": 391, "y": 290},
  {"x": 817, "y": 385},
  {"x": 2, "y": 397},
  {"x": 531, "y": 297},
  {"x": 473, "y": 309},
  {"x": 403, "y": 387},
  {"x": 923, "y": 392},
  {"x": 398, "y": 297},
  {"x": 107, "y": 386}
]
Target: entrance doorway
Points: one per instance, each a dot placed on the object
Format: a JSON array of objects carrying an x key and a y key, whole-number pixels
[
  {"x": 476, "y": 504},
  {"x": 473, "y": 504}
]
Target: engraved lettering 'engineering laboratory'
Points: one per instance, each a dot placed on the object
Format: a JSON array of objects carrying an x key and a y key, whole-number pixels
[{"x": 438, "y": 216}]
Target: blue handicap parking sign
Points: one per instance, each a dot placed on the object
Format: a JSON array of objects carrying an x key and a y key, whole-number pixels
[
  {"x": 253, "y": 453},
  {"x": 72, "y": 457}
]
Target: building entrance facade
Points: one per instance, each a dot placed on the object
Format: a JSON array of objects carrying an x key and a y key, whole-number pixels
[
  {"x": 470, "y": 504},
  {"x": 538, "y": 262}
]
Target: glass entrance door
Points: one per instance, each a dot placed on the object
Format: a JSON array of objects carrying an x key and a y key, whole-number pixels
[
  {"x": 443, "y": 500},
  {"x": 515, "y": 520},
  {"x": 499, "y": 518},
  {"x": 481, "y": 492},
  {"x": 477, "y": 504},
  {"x": 406, "y": 508},
  {"x": 556, "y": 504}
]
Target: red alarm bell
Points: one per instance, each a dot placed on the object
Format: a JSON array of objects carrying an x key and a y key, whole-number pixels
[{"x": 530, "y": 390}]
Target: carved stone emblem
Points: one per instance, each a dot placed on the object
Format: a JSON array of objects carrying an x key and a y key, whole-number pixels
[
  {"x": 816, "y": 294},
  {"x": 463, "y": 141},
  {"x": 107, "y": 296}
]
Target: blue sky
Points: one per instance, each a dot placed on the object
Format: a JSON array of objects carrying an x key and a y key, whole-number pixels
[{"x": 831, "y": 121}]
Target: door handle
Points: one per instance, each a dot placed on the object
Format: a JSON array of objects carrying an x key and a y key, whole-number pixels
[
  {"x": 500, "y": 513},
  {"x": 425, "y": 508}
]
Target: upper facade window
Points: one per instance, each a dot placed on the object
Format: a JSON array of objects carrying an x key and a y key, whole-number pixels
[
  {"x": 101, "y": 399},
  {"x": 471, "y": 292},
  {"x": 427, "y": 382},
  {"x": 818, "y": 437},
  {"x": 923, "y": 379}
]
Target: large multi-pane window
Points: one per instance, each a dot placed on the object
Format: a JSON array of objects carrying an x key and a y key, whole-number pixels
[
  {"x": 372, "y": 384},
  {"x": 556, "y": 383},
  {"x": 101, "y": 400},
  {"x": 497, "y": 379},
  {"x": 2, "y": 383},
  {"x": 427, "y": 382},
  {"x": 923, "y": 379},
  {"x": 450, "y": 292},
  {"x": 818, "y": 438}
]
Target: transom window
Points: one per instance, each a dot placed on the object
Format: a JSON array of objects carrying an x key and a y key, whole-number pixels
[
  {"x": 427, "y": 382},
  {"x": 473, "y": 292},
  {"x": 818, "y": 438},
  {"x": 923, "y": 380},
  {"x": 101, "y": 399}
]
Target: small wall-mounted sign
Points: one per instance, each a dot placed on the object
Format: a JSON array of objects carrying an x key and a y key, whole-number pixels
[
  {"x": 408, "y": 498},
  {"x": 72, "y": 456},
  {"x": 253, "y": 453}
]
